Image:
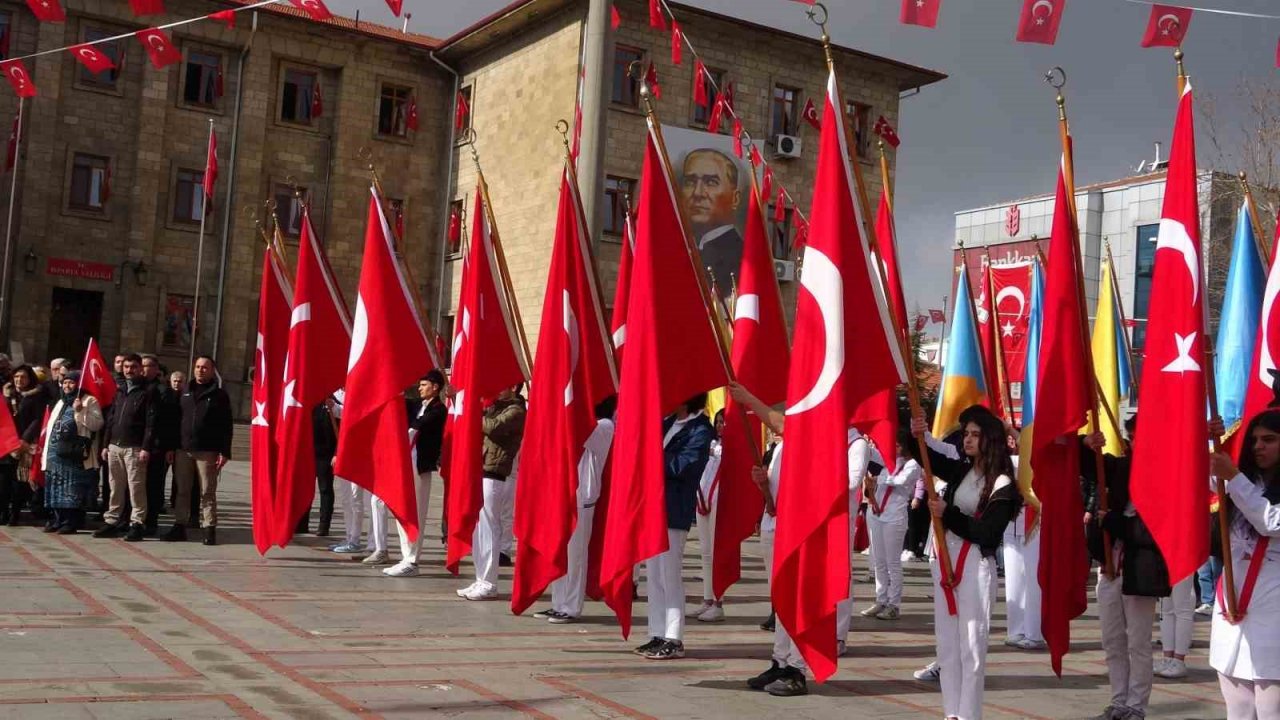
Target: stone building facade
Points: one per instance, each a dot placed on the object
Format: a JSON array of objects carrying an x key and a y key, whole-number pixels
[{"x": 108, "y": 177}]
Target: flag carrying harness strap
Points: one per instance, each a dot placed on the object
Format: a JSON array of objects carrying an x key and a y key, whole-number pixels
[
  {"x": 878, "y": 507},
  {"x": 1250, "y": 580},
  {"x": 706, "y": 502}
]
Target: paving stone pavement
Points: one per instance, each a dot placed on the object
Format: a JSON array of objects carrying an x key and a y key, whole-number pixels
[{"x": 101, "y": 629}]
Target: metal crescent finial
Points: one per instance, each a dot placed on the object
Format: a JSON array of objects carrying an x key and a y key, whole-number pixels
[
  {"x": 813, "y": 16},
  {"x": 365, "y": 154},
  {"x": 562, "y": 127},
  {"x": 249, "y": 212},
  {"x": 1057, "y": 77},
  {"x": 270, "y": 205},
  {"x": 635, "y": 70}
]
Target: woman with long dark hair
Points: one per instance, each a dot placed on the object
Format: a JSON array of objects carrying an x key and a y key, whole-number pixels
[
  {"x": 1246, "y": 652},
  {"x": 978, "y": 501}
]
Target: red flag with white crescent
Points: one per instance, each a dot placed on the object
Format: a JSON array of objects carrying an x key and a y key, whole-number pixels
[
  {"x": 210, "y": 170},
  {"x": 1040, "y": 20},
  {"x": 1011, "y": 296},
  {"x": 159, "y": 47},
  {"x": 315, "y": 8},
  {"x": 146, "y": 7},
  {"x": 622, "y": 293},
  {"x": 94, "y": 60},
  {"x": 811, "y": 114},
  {"x": 1167, "y": 26},
  {"x": 47, "y": 10},
  {"x": 845, "y": 363},
  {"x": 920, "y": 12},
  {"x": 95, "y": 378},
  {"x": 274, "y": 300},
  {"x": 987, "y": 340},
  {"x": 1170, "y": 462},
  {"x": 19, "y": 78},
  {"x": 397, "y": 6}
]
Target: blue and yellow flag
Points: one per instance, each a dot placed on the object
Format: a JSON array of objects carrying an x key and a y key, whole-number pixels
[
  {"x": 1238, "y": 324},
  {"x": 962, "y": 379},
  {"x": 1030, "y": 381},
  {"x": 1110, "y": 350}
]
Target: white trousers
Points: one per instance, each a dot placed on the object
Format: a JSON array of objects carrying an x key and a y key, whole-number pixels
[
  {"x": 1022, "y": 582},
  {"x": 378, "y": 518},
  {"x": 509, "y": 516},
  {"x": 1126, "y": 639},
  {"x": 354, "y": 500},
  {"x": 706, "y": 546},
  {"x": 1177, "y": 617},
  {"x": 409, "y": 551},
  {"x": 1250, "y": 699},
  {"x": 886, "y": 557},
  {"x": 784, "y": 651},
  {"x": 568, "y": 592},
  {"x": 664, "y": 588},
  {"x": 488, "y": 534},
  {"x": 962, "y": 638}
]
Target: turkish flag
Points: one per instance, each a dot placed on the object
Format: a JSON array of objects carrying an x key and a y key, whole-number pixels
[
  {"x": 700, "y": 83},
  {"x": 10, "y": 440},
  {"x": 780, "y": 205},
  {"x": 315, "y": 367},
  {"x": 1167, "y": 26},
  {"x": 937, "y": 317},
  {"x": 226, "y": 17},
  {"x": 95, "y": 379},
  {"x": 47, "y": 10},
  {"x": 672, "y": 355},
  {"x": 651, "y": 79},
  {"x": 485, "y": 362},
  {"x": 845, "y": 366},
  {"x": 656, "y": 20},
  {"x": 760, "y": 356},
  {"x": 573, "y": 374},
  {"x": 1039, "y": 21},
  {"x": 411, "y": 118},
  {"x": 11, "y": 158},
  {"x": 92, "y": 58},
  {"x": 622, "y": 293},
  {"x": 159, "y": 47},
  {"x": 1170, "y": 462},
  {"x": 885, "y": 131},
  {"x": 717, "y": 114},
  {"x": 615, "y": 17},
  {"x": 1261, "y": 392},
  {"x": 1062, "y": 407},
  {"x": 1011, "y": 288},
  {"x": 317, "y": 101},
  {"x": 315, "y": 8},
  {"x": 146, "y": 7},
  {"x": 810, "y": 114},
  {"x": 373, "y": 447},
  {"x": 920, "y": 12},
  {"x": 886, "y": 239},
  {"x": 19, "y": 78},
  {"x": 210, "y": 170},
  {"x": 677, "y": 43},
  {"x": 737, "y": 138},
  {"x": 274, "y": 300},
  {"x": 37, "y": 471},
  {"x": 461, "y": 112},
  {"x": 802, "y": 233},
  {"x": 397, "y": 6},
  {"x": 987, "y": 339},
  {"x": 766, "y": 180}
]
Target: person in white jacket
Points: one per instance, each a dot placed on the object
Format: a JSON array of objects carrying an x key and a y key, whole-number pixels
[
  {"x": 712, "y": 608},
  {"x": 568, "y": 592},
  {"x": 1246, "y": 651},
  {"x": 888, "y": 495}
]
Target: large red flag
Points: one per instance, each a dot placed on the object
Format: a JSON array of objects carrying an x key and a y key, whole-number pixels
[
  {"x": 1011, "y": 296},
  {"x": 672, "y": 355},
  {"x": 1170, "y": 461},
  {"x": 845, "y": 359},
  {"x": 314, "y": 368},
  {"x": 485, "y": 363},
  {"x": 1061, "y": 408},
  {"x": 274, "y": 300},
  {"x": 987, "y": 340},
  {"x": 388, "y": 354},
  {"x": 573, "y": 373},
  {"x": 618, "y": 323},
  {"x": 1263, "y": 376},
  {"x": 95, "y": 379},
  {"x": 886, "y": 243},
  {"x": 210, "y": 170},
  {"x": 760, "y": 357}
]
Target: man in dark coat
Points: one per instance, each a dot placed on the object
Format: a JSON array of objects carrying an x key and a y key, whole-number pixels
[
  {"x": 129, "y": 439},
  {"x": 205, "y": 447}
]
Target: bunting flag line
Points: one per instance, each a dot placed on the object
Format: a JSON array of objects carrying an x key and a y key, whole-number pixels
[
  {"x": 315, "y": 8},
  {"x": 677, "y": 44},
  {"x": 920, "y": 12},
  {"x": 19, "y": 79},
  {"x": 47, "y": 10},
  {"x": 93, "y": 59},
  {"x": 1167, "y": 26},
  {"x": 160, "y": 48},
  {"x": 1040, "y": 20},
  {"x": 397, "y": 7}
]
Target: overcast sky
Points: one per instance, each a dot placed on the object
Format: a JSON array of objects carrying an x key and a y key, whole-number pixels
[{"x": 988, "y": 133}]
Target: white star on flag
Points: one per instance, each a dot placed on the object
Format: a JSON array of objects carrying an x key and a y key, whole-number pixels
[
  {"x": 1184, "y": 362},
  {"x": 260, "y": 415},
  {"x": 1007, "y": 328}
]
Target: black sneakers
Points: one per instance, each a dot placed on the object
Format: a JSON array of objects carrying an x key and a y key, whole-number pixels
[
  {"x": 108, "y": 531},
  {"x": 504, "y": 560},
  {"x": 177, "y": 533},
  {"x": 562, "y": 619},
  {"x": 650, "y": 646},
  {"x": 668, "y": 650},
  {"x": 210, "y": 536},
  {"x": 544, "y": 614},
  {"x": 791, "y": 684},
  {"x": 762, "y": 680},
  {"x": 136, "y": 533},
  {"x": 768, "y": 625}
]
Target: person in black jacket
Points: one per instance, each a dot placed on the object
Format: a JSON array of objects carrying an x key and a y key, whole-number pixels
[
  {"x": 129, "y": 437},
  {"x": 324, "y": 443},
  {"x": 979, "y": 500},
  {"x": 168, "y": 422},
  {"x": 1127, "y": 595},
  {"x": 29, "y": 402},
  {"x": 204, "y": 448},
  {"x": 686, "y": 443},
  {"x": 427, "y": 423}
]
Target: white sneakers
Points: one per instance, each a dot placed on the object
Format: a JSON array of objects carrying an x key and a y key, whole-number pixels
[
  {"x": 841, "y": 648},
  {"x": 712, "y": 614},
  {"x": 908, "y": 556},
  {"x": 874, "y": 610},
  {"x": 379, "y": 557},
  {"x": 1170, "y": 668},
  {"x": 700, "y": 609},
  {"x": 1205, "y": 610},
  {"x": 890, "y": 612},
  {"x": 482, "y": 591},
  {"x": 403, "y": 568},
  {"x": 462, "y": 592},
  {"x": 1027, "y": 643}
]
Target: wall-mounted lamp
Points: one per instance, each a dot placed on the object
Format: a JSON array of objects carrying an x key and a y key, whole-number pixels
[
  {"x": 30, "y": 260},
  {"x": 140, "y": 272}
]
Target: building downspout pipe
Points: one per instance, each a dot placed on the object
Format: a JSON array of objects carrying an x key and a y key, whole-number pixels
[{"x": 446, "y": 193}]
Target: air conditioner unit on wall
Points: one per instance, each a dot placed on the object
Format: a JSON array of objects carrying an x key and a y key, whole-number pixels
[
  {"x": 787, "y": 146},
  {"x": 785, "y": 270}
]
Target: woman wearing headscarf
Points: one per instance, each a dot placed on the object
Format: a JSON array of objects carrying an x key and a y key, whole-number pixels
[{"x": 70, "y": 457}]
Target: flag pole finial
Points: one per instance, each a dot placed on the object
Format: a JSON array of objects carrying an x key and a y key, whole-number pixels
[
  {"x": 562, "y": 127},
  {"x": 813, "y": 12},
  {"x": 1177, "y": 57}
]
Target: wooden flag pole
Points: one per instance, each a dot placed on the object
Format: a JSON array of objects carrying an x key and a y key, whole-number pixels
[
  {"x": 1058, "y": 78},
  {"x": 946, "y": 573},
  {"x": 1258, "y": 237},
  {"x": 1002, "y": 384}
]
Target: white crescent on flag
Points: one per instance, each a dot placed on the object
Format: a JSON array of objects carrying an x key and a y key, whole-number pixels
[
  {"x": 747, "y": 308},
  {"x": 823, "y": 281},
  {"x": 1015, "y": 292},
  {"x": 570, "y": 329},
  {"x": 359, "y": 333},
  {"x": 1173, "y": 236}
]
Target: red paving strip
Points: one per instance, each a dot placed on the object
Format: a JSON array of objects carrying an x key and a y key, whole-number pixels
[
  {"x": 173, "y": 661},
  {"x": 590, "y": 662},
  {"x": 502, "y": 699},
  {"x": 565, "y": 686},
  {"x": 231, "y": 701},
  {"x": 337, "y": 698}
]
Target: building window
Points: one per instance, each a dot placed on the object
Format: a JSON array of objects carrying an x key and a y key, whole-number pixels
[
  {"x": 188, "y": 196},
  {"x": 446, "y": 334},
  {"x": 289, "y": 209},
  {"x": 106, "y": 79},
  {"x": 393, "y": 110},
  {"x": 297, "y": 95},
  {"x": 6, "y": 37},
  {"x": 468, "y": 98},
  {"x": 784, "y": 110},
  {"x": 718, "y": 78},
  {"x": 781, "y": 234},
  {"x": 859, "y": 119},
  {"x": 626, "y": 89},
  {"x": 178, "y": 311},
  {"x": 90, "y": 182},
  {"x": 202, "y": 79},
  {"x": 1143, "y": 273},
  {"x": 618, "y": 192}
]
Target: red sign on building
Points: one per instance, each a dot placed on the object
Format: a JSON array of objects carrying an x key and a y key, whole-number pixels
[{"x": 66, "y": 267}]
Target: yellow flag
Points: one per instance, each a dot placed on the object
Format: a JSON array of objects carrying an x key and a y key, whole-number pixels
[
  {"x": 1106, "y": 346},
  {"x": 715, "y": 402}
]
